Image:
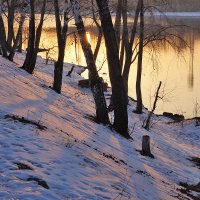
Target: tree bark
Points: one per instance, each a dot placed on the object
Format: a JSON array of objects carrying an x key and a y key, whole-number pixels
[
  {"x": 147, "y": 125},
  {"x": 34, "y": 38},
  {"x": 19, "y": 33},
  {"x": 61, "y": 37},
  {"x": 100, "y": 33},
  {"x": 146, "y": 151},
  {"x": 98, "y": 45},
  {"x": 119, "y": 96},
  {"x": 31, "y": 38},
  {"x": 96, "y": 83},
  {"x": 129, "y": 52},
  {"x": 140, "y": 57},
  {"x": 37, "y": 38},
  {"x": 19, "y": 48},
  {"x": 11, "y": 11},
  {"x": 2, "y": 34},
  {"x": 125, "y": 40},
  {"x": 117, "y": 26}
]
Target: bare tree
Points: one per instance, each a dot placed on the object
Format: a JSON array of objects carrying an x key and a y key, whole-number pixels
[
  {"x": 140, "y": 58},
  {"x": 11, "y": 16},
  {"x": 117, "y": 25},
  {"x": 37, "y": 37},
  {"x": 129, "y": 43},
  {"x": 34, "y": 38},
  {"x": 13, "y": 48},
  {"x": 119, "y": 96},
  {"x": 147, "y": 122},
  {"x": 61, "y": 37},
  {"x": 148, "y": 35},
  {"x": 10, "y": 43},
  {"x": 2, "y": 33},
  {"x": 95, "y": 80},
  {"x": 100, "y": 32}
]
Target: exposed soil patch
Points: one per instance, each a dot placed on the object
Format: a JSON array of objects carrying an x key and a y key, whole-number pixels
[
  {"x": 175, "y": 117},
  {"x": 141, "y": 172},
  {"x": 39, "y": 182},
  {"x": 109, "y": 156},
  {"x": 114, "y": 159},
  {"x": 25, "y": 121},
  {"x": 188, "y": 189},
  {"x": 92, "y": 118},
  {"x": 196, "y": 161},
  {"x": 22, "y": 166}
]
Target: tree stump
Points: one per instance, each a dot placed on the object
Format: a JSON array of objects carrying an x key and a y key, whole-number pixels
[{"x": 146, "y": 146}]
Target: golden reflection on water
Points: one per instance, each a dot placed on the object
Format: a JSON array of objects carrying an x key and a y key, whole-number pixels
[
  {"x": 88, "y": 37},
  {"x": 179, "y": 73}
]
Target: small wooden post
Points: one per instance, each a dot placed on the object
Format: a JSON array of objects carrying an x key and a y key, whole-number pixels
[{"x": 146, "y": 146}]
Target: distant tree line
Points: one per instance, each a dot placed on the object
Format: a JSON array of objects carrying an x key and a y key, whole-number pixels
[{"x": 183, "y": 5}]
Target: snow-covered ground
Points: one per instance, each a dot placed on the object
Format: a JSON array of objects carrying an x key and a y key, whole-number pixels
[{"x": 51, "y": 149}]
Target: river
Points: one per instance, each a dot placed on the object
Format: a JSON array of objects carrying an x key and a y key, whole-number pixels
[{"x": 179, "y": 73}]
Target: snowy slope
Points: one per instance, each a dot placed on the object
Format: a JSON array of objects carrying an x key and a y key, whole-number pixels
[{"x": 75, "y": 158}]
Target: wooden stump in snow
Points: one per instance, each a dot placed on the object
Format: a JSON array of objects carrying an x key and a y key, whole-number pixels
[{"x": 146, "y": 151}]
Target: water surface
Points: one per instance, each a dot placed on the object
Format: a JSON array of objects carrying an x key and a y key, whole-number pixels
[{"x": 179, "y": 73}]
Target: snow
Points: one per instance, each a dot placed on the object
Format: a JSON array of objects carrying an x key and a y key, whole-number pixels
[
  {"x": 78, "y": 158},
  {"x": 175, "y": 14}
]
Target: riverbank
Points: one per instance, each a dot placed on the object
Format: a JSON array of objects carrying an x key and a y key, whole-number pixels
[{"x": 72, "y": 157}]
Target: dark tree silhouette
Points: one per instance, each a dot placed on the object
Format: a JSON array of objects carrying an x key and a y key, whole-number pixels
[
  {"x": 119, "y": 96},
  {"x": 129, "y": 42},
  {"x": 61, "y": 37},
  {"x": 3, "y": 47},
  {"x": 11, "y": 17},
  {"x": 140, "y": 58},
  {"x": 34, "y": 38},
  {"x": 95, "y": 80},
  {"x": 17, "y": 41}
]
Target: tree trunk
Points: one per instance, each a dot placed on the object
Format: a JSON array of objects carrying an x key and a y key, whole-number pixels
[
  {"x": 98, "y": 45},
  {"x": 19, "y": 34},
  {"x": 118, "y": 21},
  {"x": 125, "y": 35},
  {"x": 147, "y": 126},
  {"x": 19, "y": 48},
  {"x": 11, "y": 10},
  {"x": 119, "y": 96},
  {"x": 37, "y": 38},
  {"x": 129, "y": 53},
  {"x": 95, "y": 81},
  {"x": 2, "y": 35},
  {"x": 58, "y": 71},
  {"x": 146, "y": 151},
  {"x": 31, "y": 39},
  {"x": 61, "y": 37},
  {"x": 140, "y": 57},
  {"x": 100, "y": 33}
]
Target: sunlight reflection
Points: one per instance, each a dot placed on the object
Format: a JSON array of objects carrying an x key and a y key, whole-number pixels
[
  {"x": 179, "y": 72},
  {"x": 88, "y": 37}
]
